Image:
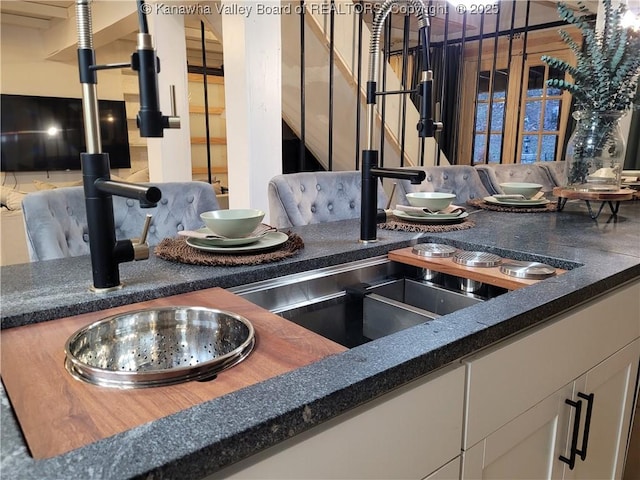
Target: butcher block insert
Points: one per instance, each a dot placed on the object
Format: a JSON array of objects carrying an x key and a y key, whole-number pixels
[
  {"x": 58, "y": 413},
  {"x": 488, "y": 275}
]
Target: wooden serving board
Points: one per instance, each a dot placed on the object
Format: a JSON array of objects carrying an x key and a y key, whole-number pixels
[
  {"x": 488, "y": 275},
  {"x": 613, "y": 196},
  {"x": 58, "y": 413}
]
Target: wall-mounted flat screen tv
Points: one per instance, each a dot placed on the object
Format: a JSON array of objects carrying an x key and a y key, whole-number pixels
[{"x": 47, "y": 133}]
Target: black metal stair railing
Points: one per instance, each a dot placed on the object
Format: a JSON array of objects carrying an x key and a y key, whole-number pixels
[{"x": 447, "y": 53}]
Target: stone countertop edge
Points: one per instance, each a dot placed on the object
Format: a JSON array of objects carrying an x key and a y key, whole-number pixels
[{"x": 205, "y": 438}]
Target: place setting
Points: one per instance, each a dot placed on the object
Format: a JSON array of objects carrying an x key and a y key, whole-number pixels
[
  {"x": 519, "y": 197},
  {"x": 429, "y": 212},
  {"x": 230, "y": 237}
]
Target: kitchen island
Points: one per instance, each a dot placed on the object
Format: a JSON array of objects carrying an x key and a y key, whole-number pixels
[{"x": 600, "y": 256}]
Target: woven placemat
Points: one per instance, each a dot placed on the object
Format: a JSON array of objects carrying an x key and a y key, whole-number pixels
[
  {"x": 479, "y": 203},
  {"x": 407, "y": 226},
  {"x": 177, "y": 250}
]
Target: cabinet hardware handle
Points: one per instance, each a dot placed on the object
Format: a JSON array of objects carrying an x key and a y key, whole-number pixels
[
  {"x": 587, "y": 424},
  {"x": 571, "y": 461}
]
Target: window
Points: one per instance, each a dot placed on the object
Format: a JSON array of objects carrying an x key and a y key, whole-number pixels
[
  {"x": 509, "y": 113},
  {"x": 490, "y": 111},
  {"x": 542, "y": 131}
]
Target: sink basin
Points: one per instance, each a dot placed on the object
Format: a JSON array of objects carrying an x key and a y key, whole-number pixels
[
  {"x": 160, "y": 346},
  {"x": 355, "y": 303}
]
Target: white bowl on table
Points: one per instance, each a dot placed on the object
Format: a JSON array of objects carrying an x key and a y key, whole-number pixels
[
  {"x": 234, "y": 222},
  {"x": 527, "y": 190},
  {"x": 434, "y": 201}
]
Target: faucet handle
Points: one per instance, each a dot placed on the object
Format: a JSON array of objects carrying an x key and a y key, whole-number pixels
[
  {"x": 173, "y": 120},
  {"x": 140, "y": 246}
]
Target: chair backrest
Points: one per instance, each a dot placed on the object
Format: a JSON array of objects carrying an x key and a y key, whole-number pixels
[
  {"x": 462, "y": 180},
  {"x": 56, "y": 220},
  {"x": 493, "y": 174},
  {"x": 556, "y": 172},
  {"x": 316, "y": 197}
]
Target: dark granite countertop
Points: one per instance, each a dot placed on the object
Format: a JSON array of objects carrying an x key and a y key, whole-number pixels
[{"x": 599, "y": 254}]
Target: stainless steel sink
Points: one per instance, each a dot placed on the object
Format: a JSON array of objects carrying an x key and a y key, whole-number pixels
[
  {"x": 355, "y": 303},
  {"x": 162, "y": 346}
]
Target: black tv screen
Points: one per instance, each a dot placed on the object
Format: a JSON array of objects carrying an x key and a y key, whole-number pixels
[{"x": 47, "y": 133}]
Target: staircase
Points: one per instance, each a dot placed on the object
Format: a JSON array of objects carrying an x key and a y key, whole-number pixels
[{"x": 345, "y": 93}]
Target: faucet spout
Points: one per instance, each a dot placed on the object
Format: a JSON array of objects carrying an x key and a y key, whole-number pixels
[
  {"x": 370, "y": 175},
  {"x": 414, "y": 176}
]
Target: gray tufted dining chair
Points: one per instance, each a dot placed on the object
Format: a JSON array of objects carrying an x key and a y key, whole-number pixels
[
  {"x": 556, "y": 172},
  {"x": 56, "y": 220},
  {"x": 462, "y": 180},
  {"x": 316, "y": 197},
  {"x": 493, "y": 174}
]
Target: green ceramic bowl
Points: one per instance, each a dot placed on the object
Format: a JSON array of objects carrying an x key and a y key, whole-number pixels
[
  {"x": 528, "y": 190},
  {"x": 234, "y": 222},
  {"x": 434, "y": 201}
]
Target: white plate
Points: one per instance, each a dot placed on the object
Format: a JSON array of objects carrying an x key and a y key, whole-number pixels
[
  {"x": 433, "y": 218},
  {"x": 517, "y": 203},
  {"x": 224, "y": 242},
  {"x": 270, "y": 240}
]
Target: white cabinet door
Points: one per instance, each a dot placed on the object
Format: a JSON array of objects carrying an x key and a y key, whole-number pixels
[
  {"x": 525, "y": 448},
  {"x": 508, "y": 379},
  {"x": 612, "y": 384},
  {"x": 530, "y": 446}
]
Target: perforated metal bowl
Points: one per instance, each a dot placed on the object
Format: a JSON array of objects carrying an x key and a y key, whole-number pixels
[{"x": 161, "y": 346}]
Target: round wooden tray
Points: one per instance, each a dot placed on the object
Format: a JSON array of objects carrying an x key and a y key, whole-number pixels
[{"x": 613, "y": 196}]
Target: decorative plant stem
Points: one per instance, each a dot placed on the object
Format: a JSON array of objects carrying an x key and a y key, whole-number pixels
[
  {"x": 605, "y": 76},
  {"x": 603, "y": 86}
]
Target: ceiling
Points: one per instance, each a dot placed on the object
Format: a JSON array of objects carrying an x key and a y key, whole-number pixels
[{"x": 46, "y": 14}]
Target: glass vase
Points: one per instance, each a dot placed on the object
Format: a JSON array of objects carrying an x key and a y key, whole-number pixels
[{"x": 595, "y": 152}]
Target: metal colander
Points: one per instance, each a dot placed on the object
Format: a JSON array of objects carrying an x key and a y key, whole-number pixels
[{"x": 160, "y": 346}]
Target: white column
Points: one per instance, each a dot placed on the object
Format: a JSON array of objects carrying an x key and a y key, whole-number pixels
[
  {"x": 252, "y": 78},
  {"x": 170, "y": 156}
]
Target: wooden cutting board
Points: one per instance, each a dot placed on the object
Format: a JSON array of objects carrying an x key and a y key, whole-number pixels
[
  {"x": 488, "y": 275},
  {"x": 58, "y": 413}
]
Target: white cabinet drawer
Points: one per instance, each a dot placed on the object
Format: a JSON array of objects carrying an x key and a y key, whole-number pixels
[
  {"x": 404, "y": 434},
  {"x": 508, "y": 379}
]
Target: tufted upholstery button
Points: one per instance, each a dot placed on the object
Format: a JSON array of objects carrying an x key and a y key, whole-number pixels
[
  {"x": 152, "y": 229},
  {"x": 352, "y": 204},
  {"x": 313, "y": 209},
  {"x": 340, "y": 186},
  {"x": 429, "y": 178},
  {"x": 465, "y": 176},
  {"x": 301, "y": 187},
  {"x": 190, "y": 199},
  {"x": 85, "y": 237},
  {"x": 318, "y": 187},
  {"x": 164, "y": 201},
  {"x": 445, "y": 176},
  {"x": 130, "y": 202},
  {"x": 179, "y": 227},
  {"x": 330, "y": 207},
  {"x": 511, "y": 174}
]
